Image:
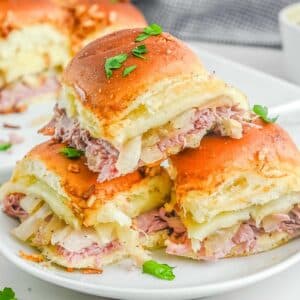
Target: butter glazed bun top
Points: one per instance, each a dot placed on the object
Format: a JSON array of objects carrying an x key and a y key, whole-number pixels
[
  {"x": 33, "y": 38},
  {"x": 226, "y": 174},
  {"x": 92, "y": 19},
  {"x": 140, "y": 101},
  {"x": 16, "y": 14},
  {"x": 111, "y": 98}
]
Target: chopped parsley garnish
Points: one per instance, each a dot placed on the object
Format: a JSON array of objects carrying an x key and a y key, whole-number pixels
[
  {"x": 139, "y": 50},
  {"x": 5, "y": 146},
  {"x": 113, "y": 63},
  {"x": 128, "y": 70},
  {"x": 153, "y": 29},
  {"x": 71, "y": 152},
  {"x": 7, "y": 294},
  {"x": 162, "y": 271},
  {"x": 262, "y": 112}
]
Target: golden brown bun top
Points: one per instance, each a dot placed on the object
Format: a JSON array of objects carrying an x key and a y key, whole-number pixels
[
  {"x": 217, "y": 157},
  {"x": 15, "y": 14},
  {"x": 75, "y": 177},
  {"x": 167, "y": 57},
  {"x": 78, "y": 18},
  {"x": 99, "y": 17}
]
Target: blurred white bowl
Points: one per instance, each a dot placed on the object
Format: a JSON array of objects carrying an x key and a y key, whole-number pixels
[{"x": 289, "y": 20}]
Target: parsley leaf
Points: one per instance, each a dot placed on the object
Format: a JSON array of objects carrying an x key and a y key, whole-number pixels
[
  {"x": 113, "y": 63},
  {"x": 5, "y": 146},
  {"x": 262, "y": 112},
  {"x": 71, "y": 152},
  {"x": 162, "y": 271},
  {"x": 7, "y": 294},
  {"x": 139, "y": 50},
  {"x": 153, "y": 29},
  {"x": 128, "y": 70}
]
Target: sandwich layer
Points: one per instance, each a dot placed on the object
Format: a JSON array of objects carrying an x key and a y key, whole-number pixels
[
  {"x": 168, "y": 102},
  {"x": 15, "y": 97},
  {"x": 92, "y": 247},
  {"x": 73, "y": 220},
  {"x": 171, "y": 73},
  {"x": 235, "y": 197},
  {"x": 72, "y": 192}
]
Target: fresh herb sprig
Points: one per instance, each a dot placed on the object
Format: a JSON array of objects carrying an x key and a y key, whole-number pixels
[
  {"x": 162, "y": 271},
  {"x": 152, "y": 29},
  {"x": 138, "y": 51},
  {"x": 71, "y": 152},
  {"x": 5, "y": 146},
  {"x": 7, "y": 294},
  {"x": 114, "y": 63},
  {"x": 262, "y": 112},
  {"x": 128, "y": 70}
]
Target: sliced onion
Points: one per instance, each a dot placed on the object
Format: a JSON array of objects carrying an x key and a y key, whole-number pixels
[
  {"x": 151, "y": 154},
  {"x": 129, "y": 156},
  {"x": 29, "y": 203},
  {"x": 184, "y": 121},
  {"x": 32, "y": 223}
]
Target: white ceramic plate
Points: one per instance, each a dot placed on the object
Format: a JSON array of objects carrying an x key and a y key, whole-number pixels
[
  {"x": 192, "y": 279},
  {"x": 30, "y": 122}
]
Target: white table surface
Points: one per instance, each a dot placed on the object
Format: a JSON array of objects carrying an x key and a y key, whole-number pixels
[{"x": 283, "y": 286}]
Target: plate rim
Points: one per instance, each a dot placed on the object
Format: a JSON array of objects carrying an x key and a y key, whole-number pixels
[{"x": 108, "y": 291}]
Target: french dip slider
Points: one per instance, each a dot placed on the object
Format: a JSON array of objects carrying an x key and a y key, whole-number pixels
[
  {"x": 235, "y": 197},
  {"x": 136, "y": 96},
  {"x": 34, "y": 47},
  {"x": 75, "y": 221},
  {"x": 38, "y": 38}
]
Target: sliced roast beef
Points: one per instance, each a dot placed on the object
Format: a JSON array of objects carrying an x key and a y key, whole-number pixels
[
  {"x": 244, "y": 239},
  {"x": 12, "y": 207},
  {"x": 14, "y": 97},
  {"x": 102, "y": 157},
  {"x": 93, "y": 250}
]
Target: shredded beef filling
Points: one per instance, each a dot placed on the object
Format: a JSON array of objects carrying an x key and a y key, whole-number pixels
[
  {"x": 244, "y": 240},
  {"x": 13, "y": 98},
  {"x": 93, "y": 250},
  {"x": 102, "y": 156},
  {"x": 12, "y": 207}
]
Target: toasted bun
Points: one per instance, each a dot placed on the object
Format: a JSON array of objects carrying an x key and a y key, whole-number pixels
[
  {"x": 226, "y": 174},
  {"x": 34, "y": 37},
  {"x": 15, "y": 14},
  {"x": 166, "y": 57},
  {"x": 39, "y": 35},
  {"x": 169, "y": 81},
  {"x": 95, "y": 18},
  {"x": 73, "y": 193}
]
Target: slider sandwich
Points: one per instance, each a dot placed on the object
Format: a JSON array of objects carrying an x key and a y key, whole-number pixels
[
  {"x": 75, "y": 221},
  {"x": 136, "y": 96},
  {"x": 38, "y": 38},
  {"x": 234, "y": 197},
  {"x": 34, "y": 47}
]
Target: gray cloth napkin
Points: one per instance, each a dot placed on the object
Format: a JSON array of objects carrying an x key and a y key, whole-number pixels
[{"x": 248, "y": 22}]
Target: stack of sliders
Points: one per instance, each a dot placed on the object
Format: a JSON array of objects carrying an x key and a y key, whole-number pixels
[
  {"x": 38, "y": 38},
  {"x": 96, "y": 192}
]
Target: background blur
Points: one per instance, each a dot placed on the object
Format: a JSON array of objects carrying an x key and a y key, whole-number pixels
[{"x": 245, "y": 22}]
